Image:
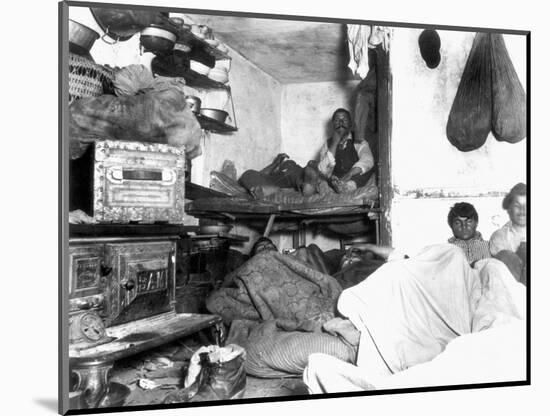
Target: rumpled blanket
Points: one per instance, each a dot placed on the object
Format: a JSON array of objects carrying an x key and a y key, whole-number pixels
[
  {"x": 276, "y": 305},
  {"x": 275, "y": 286},
  {"x": 292, "y": 199}
]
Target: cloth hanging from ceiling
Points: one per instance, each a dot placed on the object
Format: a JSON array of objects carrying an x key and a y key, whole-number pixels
[{"x": 360, "y": 39}]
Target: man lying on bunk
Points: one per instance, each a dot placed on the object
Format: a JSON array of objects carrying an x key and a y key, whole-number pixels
[
  {"x": 345, "y": 164},
  {"x": 427, "y": 320}
]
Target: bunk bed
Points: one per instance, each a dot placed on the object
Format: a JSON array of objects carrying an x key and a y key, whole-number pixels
[{"x": 343, "y": 214}]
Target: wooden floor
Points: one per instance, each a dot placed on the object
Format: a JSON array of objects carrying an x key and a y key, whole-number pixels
[{"x": 165, "y": 367}]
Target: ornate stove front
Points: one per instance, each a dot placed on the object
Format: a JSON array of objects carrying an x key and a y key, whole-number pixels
[
  {"x": 118, "y": 280},
  {"x": 143, "y": 280}
]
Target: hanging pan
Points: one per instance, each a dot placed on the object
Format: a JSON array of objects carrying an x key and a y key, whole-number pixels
[{"x": 120, "y": 25}]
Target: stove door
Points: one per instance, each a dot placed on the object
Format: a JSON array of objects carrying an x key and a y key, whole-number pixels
[{"x": 143, "y": 279}]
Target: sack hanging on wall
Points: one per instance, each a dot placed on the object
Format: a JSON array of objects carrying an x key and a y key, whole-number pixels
[
  {"x": 469, "y": 121},
  {"x": 509, "y": 114}
]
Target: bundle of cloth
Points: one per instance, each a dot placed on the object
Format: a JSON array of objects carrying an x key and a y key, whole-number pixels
[
  {"x": 146, "y": 109},
  {"x": 362, "y": 195},
  {"x": 429, "y": 320},
  {"x": 276, "y": 305}
]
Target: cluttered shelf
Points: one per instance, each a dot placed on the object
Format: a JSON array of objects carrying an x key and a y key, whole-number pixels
[
  {"x": 186, "y": 37},
  {"x": 172, "y": 66},
  {"x": 169, "y": 66}
]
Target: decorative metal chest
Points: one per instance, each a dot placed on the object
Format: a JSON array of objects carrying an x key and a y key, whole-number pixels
[{"x": 129, "y": 182}]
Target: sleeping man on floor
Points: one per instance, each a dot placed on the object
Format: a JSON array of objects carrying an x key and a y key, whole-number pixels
[
  {"x": 276, "y": 305},
  {"x": 284, "y": 311}
]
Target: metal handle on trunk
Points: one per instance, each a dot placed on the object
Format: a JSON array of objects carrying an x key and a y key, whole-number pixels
[{"x": 118, "y": 174}]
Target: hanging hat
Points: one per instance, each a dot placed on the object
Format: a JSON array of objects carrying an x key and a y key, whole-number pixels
[{"x": 429, "y": 44}]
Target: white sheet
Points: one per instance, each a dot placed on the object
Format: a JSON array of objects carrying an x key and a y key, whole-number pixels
[
  {"x": 493, "y": 355},
  {"x": 409, "y": 312}
]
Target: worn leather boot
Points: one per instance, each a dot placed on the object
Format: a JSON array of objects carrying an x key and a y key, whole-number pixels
[
  {"x": 216, "y": 381},
  {"x": 221, "y": 381}
]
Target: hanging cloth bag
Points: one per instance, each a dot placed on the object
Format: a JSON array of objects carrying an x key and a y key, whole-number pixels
[
  {"x": 469, "y": 121},
  {"x": 508, "y": 115}
]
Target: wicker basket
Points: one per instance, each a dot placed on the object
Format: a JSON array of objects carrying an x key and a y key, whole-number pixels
[{"x": 88, "y": 79}]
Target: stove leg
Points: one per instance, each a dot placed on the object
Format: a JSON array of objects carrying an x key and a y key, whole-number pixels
[{"x": 93, "y": 381}]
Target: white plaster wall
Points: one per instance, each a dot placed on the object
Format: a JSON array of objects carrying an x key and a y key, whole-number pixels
[
  {"x": 257, "y": 104},
  {"x": 421, "y": 222},
  {"x": 423, "y": 158},
  {"x": 306, "y": 113}
]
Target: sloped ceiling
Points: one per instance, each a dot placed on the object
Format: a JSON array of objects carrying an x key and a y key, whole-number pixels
[{"x": 289, "y": 51}]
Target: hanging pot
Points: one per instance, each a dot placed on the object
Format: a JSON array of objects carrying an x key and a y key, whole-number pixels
[
  {"x": 214, "y": 113},
  {"x": 121, "y": 24},
  {"x": 81, "y": 35},
  {"x": 157, "y": 39}
]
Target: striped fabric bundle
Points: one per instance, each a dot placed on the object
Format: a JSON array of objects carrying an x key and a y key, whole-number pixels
[{"x": 273, "y": 352}]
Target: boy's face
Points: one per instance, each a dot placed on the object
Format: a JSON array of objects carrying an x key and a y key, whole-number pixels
[{"x": 464, "y": 228}]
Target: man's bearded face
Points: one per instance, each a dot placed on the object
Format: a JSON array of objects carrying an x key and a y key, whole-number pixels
[{"x": 341, "y": 123}]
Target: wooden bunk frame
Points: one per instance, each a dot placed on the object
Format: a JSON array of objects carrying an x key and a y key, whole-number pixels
[{"x": 210, "y": 204}]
